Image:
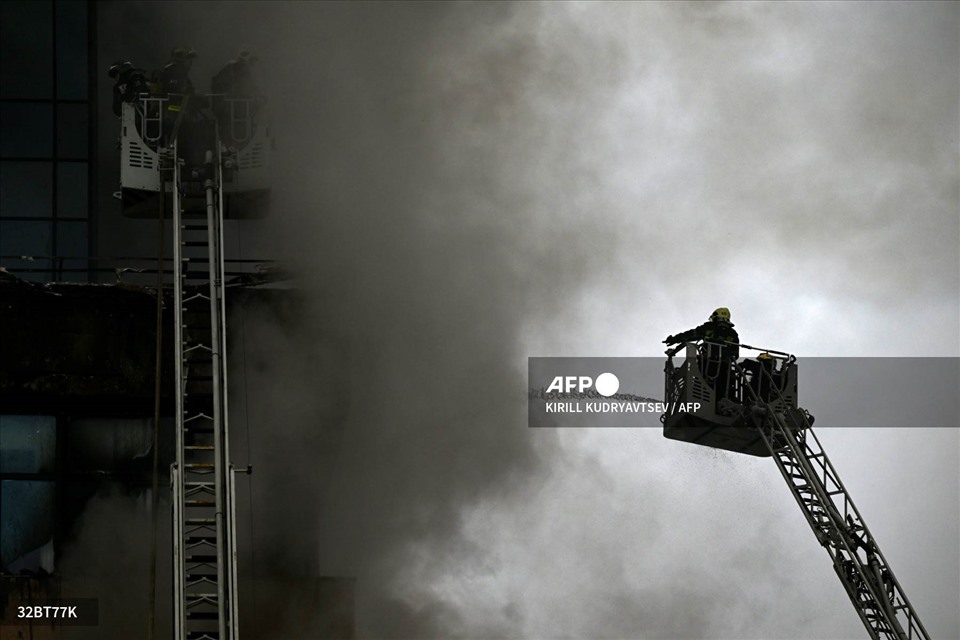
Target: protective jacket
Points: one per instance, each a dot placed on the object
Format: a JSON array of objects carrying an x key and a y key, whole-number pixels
[{"x": 712, "y": 331}]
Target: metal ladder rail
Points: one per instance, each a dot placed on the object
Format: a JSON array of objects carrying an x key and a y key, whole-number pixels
[
  {"x": 204, "y": 531},
  {"x": 176, "y": 470},
  {"x": 877, "y": 585},
  {"x": 230, "y": 487},
  {"x": 192, "y": 540},
  {"x": 814, "y": 482},
  {"x": 216, "y": 283},
  {"x": 813, "y": 493},
  {"x": 194, "y": 511},
  {"x": 225, "y": 514}
]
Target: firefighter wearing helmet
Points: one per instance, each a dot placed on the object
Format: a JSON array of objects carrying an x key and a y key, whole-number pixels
[
  {"x": 717, "y": 329},
  {"x": 720, "y": 349}
]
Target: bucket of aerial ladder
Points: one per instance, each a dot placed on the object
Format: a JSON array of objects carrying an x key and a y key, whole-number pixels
[
  {"x": 724, "y": 404},
  {"x": 233, "y": 130}
]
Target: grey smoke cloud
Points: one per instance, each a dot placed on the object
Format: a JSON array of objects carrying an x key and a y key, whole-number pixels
[{"x": 461, "y": 186}]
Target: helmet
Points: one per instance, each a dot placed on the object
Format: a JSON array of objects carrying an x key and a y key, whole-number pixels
[
  {"x": 764, "y": 356},
  {"x": 722, "y": 314},
  {"x": 119, "y": 67},
  {"x": 245, "y": 57}
]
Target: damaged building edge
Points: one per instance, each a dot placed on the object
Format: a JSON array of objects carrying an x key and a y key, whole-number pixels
[
  {"x": 90, "y": 349},
  {"x": 82, "y": 357}
]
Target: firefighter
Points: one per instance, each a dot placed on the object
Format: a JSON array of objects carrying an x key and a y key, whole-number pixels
[
  {"x": 235, "y": 103},
  {"x": 174, "y": 83},
  {"x": 175, "y": 75},
  {"x": 233, "y": 80},
  {"x": 763, "y": 376},
  {"x": 130, "y": 82},
  {"x": 720, "y": 349}
]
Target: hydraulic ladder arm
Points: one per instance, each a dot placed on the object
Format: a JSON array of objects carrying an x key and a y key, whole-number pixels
[
  {"x": 876, "y": 594},
  {"x": 202, "y": 478}
]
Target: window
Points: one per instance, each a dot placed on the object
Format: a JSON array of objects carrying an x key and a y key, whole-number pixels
[
  {"x": 26, "y": 30},
  {"x": 72, "y": 50},
  {"x": 27, "y": 498},
  {"x": 26, "y": 129},
  {"x": 45, "y": 134},
  {"x": 72, "y": 189},
  {"x": 27, "y": 238},
  {"x": 26, "y": 189},
  {"x": 72, "y": 130}
]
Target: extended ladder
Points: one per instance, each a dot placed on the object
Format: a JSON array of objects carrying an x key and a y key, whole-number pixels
[
  {"x": 879, "y": 599},
  {"x": 202, "y": 478}
]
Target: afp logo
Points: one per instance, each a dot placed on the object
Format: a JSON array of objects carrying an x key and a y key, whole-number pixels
[{"x": 606, "y": 384}]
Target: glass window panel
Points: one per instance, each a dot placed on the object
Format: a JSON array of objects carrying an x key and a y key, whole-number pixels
[
  {"x": 72, "y": 189},
  {"x": 72, "y": 130},
  {"x": 26, "y": 517},
  {"x": 27, "y": 444},
  {"x": 71, "y": 48},
  {"x": 25, "y": 189},
  {"x": 27, "y": 238},
  {"x": 26, "y": 130},
  {"x": 108, "y": 444},
  {"x": 72, "y": 239},
  {"x": 26, "y": 66}
]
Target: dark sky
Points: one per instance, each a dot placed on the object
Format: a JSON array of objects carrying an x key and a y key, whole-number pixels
[{"x": 462, "y": 186}]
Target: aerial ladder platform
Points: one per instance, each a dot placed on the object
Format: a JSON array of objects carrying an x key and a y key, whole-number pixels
[
  {"x": 200, "y": 163},
  {"x": 759, "y": 415}
]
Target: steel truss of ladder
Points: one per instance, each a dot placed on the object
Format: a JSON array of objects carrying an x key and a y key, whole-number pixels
[
  {"x": 202, "y": 478},
  {"x": 879, "y": 599}
]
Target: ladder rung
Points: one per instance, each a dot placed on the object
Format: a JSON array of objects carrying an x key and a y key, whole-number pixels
[
  {"x": 199, "y": 465},
  {"x": 198, "y": 543},
  {"x": 208, "y": 539},
  {"x": 200, "y": 503},
  {"x": 198, "y": 345},
  {"x": 202, "y": 559},
  {"x": 193, "y": 579},
  {"x": 202, "y": 522},
  {"x": 198, "y": 447}
]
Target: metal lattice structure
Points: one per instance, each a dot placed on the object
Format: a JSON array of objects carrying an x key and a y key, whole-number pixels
[
  {"x": 762, "y": 408},
  {"x": 202, "y": 158},
  {"x": 202, "y": 478}
]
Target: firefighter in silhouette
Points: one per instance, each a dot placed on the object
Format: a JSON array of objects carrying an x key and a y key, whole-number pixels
[
  {"x": 174, "y": 82},
  {"x": 764, "y": 378},
  {"x": 720, "y": 349},
  {"x": 235, "y": 97},
  {"x": 175, "y": 75},
  {"x": 130, "y": 82},
  {"x": 233, "y": 80}
]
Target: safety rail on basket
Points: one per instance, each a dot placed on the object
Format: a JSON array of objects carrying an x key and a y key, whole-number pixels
[
  {"x": 672, "y": 351},
  {"x": 152, "y": 111},
  {"x": 242, "y": 111}
]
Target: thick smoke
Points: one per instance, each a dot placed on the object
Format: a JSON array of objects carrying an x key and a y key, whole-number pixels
[{"x": 461, "y": 186}]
